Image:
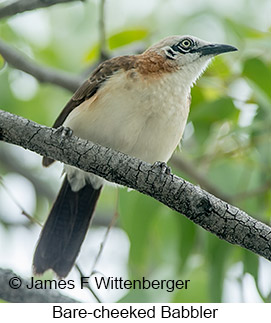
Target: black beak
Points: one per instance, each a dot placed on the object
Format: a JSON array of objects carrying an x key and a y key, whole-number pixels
[{"x": 215, "y": 49}]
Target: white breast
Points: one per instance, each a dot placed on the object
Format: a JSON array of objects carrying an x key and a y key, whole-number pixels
[{"x": 144, "y": 118}]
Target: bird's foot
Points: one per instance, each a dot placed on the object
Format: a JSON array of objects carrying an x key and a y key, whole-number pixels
[
  {"x": 164, "y": 168},
  {"x": 64, "y": 131}
]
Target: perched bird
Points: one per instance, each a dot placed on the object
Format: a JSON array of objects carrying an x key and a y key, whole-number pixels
[{"x": 135, "y": 104}]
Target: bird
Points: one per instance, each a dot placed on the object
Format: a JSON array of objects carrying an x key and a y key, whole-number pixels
[{"x": 136, "y": 104}]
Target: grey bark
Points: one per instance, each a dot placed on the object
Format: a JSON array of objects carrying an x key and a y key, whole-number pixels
[
  {"x": 224, "y": 220},
  {"x": 25, "y": 295},
  {"x": 14, "y": 7}
]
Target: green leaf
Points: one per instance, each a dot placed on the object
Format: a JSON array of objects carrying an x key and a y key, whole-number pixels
[
  {"x": 186, "y": 239},
  {"x": 209, "y": 112},
  {"x": 243, "y": 30},
  {"x": 137, "y": 213},
  {"x": 251, "y": 264},
  {"x": 219, "y": 69},
  {"x": 117, "y": 40},
  {"x": 2, "y": 62},
  {"x": 259, "y": 73},
  {"x": 164, "y": 238},
  {"x": 217, "y": 254},
  {"x": 197, "y": 291},
  {"x": 92, "y": 54},
  {"x": 197, "y": 96},
  {"x": 126, "y": 37},
  {"x": 205, "y": 114}
]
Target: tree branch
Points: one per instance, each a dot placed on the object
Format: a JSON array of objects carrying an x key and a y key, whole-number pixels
[
  {"x": 20, "y": 6},
  {"x": 224, "y": 220},
  {"x": 41, "y": 73},
  {"x": 26, "y": 295}
]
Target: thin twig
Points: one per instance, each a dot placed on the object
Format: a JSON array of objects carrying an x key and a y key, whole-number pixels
[
  {"x": 197, "y": 177},
  {"x": 248, "y": 194},
  {"x": 88, "y": 284},
  {"x": 102, "y": 33},
  {"x": 181, "y": 164},
  {"x": 12, "y": 164},
  {"x": 103, "y": 55},
  {"x": 111, "y": 224},
  {"x": 23, "y": 211}
]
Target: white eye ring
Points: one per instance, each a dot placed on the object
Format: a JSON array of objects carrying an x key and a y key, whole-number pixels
[{"x": 186, "y": 43}]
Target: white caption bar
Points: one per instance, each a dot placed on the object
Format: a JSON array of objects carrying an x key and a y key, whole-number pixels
[{"x": 135, "y": 312}]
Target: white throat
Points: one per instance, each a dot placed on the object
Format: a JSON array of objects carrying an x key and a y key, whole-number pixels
[{"x": 192, "y": 71}]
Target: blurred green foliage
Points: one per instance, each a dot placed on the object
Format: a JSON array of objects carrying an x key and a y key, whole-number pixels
[
  {"x": 228, "y": 138},
  {"x": 117, "y": 40}
]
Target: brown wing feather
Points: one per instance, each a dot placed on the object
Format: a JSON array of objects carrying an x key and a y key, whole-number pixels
[{"x": 90, "y": 87}]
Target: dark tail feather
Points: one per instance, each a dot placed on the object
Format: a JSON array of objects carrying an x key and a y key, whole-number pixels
[{"x": 65, "y": 229}]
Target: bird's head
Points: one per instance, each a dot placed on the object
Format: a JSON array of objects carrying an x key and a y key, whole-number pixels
[{"x": 188, "y": 54}]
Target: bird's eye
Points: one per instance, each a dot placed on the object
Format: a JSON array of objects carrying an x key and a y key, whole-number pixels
[
  {"x": 186, "y": 43},
  {"x": 184, "y": 46}
]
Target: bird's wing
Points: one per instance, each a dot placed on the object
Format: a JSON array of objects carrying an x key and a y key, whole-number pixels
[{"x": 90, "y": 87}]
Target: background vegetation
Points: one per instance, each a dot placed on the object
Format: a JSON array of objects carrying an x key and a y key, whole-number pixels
[{"x": 226, "y": 147}]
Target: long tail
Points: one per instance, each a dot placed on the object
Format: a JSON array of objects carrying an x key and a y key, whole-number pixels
[{"x": 65, "y": 229}]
